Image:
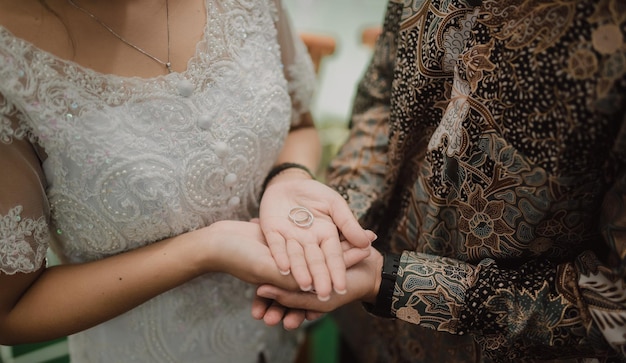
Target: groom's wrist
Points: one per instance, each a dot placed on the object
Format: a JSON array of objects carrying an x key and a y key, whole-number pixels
[{"x": 381, "y": 305}]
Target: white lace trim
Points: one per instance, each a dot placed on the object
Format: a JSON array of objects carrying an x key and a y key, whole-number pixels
[
  {"x": 23, "y": 242},
  {"x": 12, "y": 130}
]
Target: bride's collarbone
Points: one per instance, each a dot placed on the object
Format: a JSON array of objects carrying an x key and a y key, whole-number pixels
[{"x": 72, "y": 35}]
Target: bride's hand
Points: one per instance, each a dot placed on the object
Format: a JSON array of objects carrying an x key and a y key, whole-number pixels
[
  {"x": 363, "y": 283},
  {"x": 239, "y": 249},
  {"x": 311, "y": 253},
  {"x": 272, "y": 312}
]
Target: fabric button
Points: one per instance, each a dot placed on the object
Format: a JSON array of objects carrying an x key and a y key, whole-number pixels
[
  {"x": 221, "y": 148},
  {"x": 234, "y": 201},
  {"x": 185, "y": 87},
  {"x": 205, "y": 122},
  {"x": 230, "y": 179}
]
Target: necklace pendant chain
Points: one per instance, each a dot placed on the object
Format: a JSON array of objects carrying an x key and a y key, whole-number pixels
[{"x": 167, "y": 64}]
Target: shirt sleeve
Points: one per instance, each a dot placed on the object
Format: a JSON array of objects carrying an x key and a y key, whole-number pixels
[
  {"x": 24, "y": 232},
  {"x": 539, "y": 309},
  {"x": 298, "y": 67},
  {"x": 359, "y": 170}
]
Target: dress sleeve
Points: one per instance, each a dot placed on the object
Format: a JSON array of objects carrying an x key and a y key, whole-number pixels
[
  {"x": 24, "y": 233},
  {"x": 298, "y": 67},
  {"x": 539, "y": 309}
]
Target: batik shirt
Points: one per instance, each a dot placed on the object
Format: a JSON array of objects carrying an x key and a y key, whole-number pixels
[{"x": 487, "y": 148}]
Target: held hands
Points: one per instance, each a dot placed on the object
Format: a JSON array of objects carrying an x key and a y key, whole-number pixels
[
  {"x": 273, "y": 312},
  {"x": 238, "y": 248},
  {"x": 311, "y": 253},
  {"x": 363, "y": 281}
]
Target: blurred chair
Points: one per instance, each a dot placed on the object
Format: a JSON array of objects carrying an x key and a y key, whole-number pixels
[
  {"x": 370, "y": 34},
  {"x": 319, "y": 46}
]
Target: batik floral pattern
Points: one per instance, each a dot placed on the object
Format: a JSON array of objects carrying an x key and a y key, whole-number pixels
[{"x": 506, "y": 134}]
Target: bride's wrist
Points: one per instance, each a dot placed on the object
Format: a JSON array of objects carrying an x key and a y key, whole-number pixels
[
  {"x": 206, "y": 253},
  {"x": 286, "y": 171}
]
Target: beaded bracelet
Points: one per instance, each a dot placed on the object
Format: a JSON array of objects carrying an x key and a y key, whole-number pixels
[{"x": 279, "y": 169}]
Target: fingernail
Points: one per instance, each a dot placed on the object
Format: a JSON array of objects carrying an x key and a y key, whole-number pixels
[
  {"x": 284, "y": 273},
  {"x": 341, "y": 292},
  {"x": 306, "y": 288},
  {"x": 323, "y": 298},
  {"x": 372, "y": 236}
]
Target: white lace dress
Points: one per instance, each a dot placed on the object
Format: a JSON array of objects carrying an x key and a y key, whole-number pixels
[{"x": 130, "y": 161}]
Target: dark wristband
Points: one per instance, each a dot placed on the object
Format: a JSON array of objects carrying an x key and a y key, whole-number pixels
[
  {"x": 382, "y": 307},
  {"x": 280, "y": 168}
]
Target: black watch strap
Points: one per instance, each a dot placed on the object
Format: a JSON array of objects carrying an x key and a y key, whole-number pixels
[{"x": 382, "y": 307}]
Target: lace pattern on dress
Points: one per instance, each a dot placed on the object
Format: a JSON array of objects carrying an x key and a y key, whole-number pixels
[
  {"x": 12, "y": 130},
  {"x": 23, "y": 242},
  {"x": 133, "y": 160}
]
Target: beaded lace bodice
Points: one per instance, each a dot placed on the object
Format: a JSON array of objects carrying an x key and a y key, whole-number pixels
[{"x": 130, "y": 161}]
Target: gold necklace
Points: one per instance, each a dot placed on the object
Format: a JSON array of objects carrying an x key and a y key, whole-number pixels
[{"x": 167, "y": 64}]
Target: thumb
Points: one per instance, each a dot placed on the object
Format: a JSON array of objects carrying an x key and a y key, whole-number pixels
[
  {"x": 353, "y": 255},
  {"x": 348, "y": 225}
]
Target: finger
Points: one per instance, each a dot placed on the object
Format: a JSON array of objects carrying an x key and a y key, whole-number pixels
[
  {"x": 301, "y": 300},
  {"x": 319, "y": 271},
  {"x": 313, "y": 315},
  {"x": 353, "y": 255},
  {"x": 299, "y": 268},
  {"x": 348, "y": 225},
  {"x": 274, "y": 315},
  {"x": 259, "y": 307},
  {"x": 276, "y": 243},
  {"x": 333, "y": 254},
  {"x": 293, "y": 319}
]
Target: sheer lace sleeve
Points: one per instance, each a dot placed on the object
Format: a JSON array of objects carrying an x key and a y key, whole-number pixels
[
  {"x": 298, "y": 69},
  {"x": 24, "y": 233}
]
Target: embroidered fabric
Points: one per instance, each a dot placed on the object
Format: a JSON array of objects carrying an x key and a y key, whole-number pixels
[
  {"x": 17, "y": 252},
  {"x": 130, "y": 161},
  {"x": 491, "y": 201}
]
